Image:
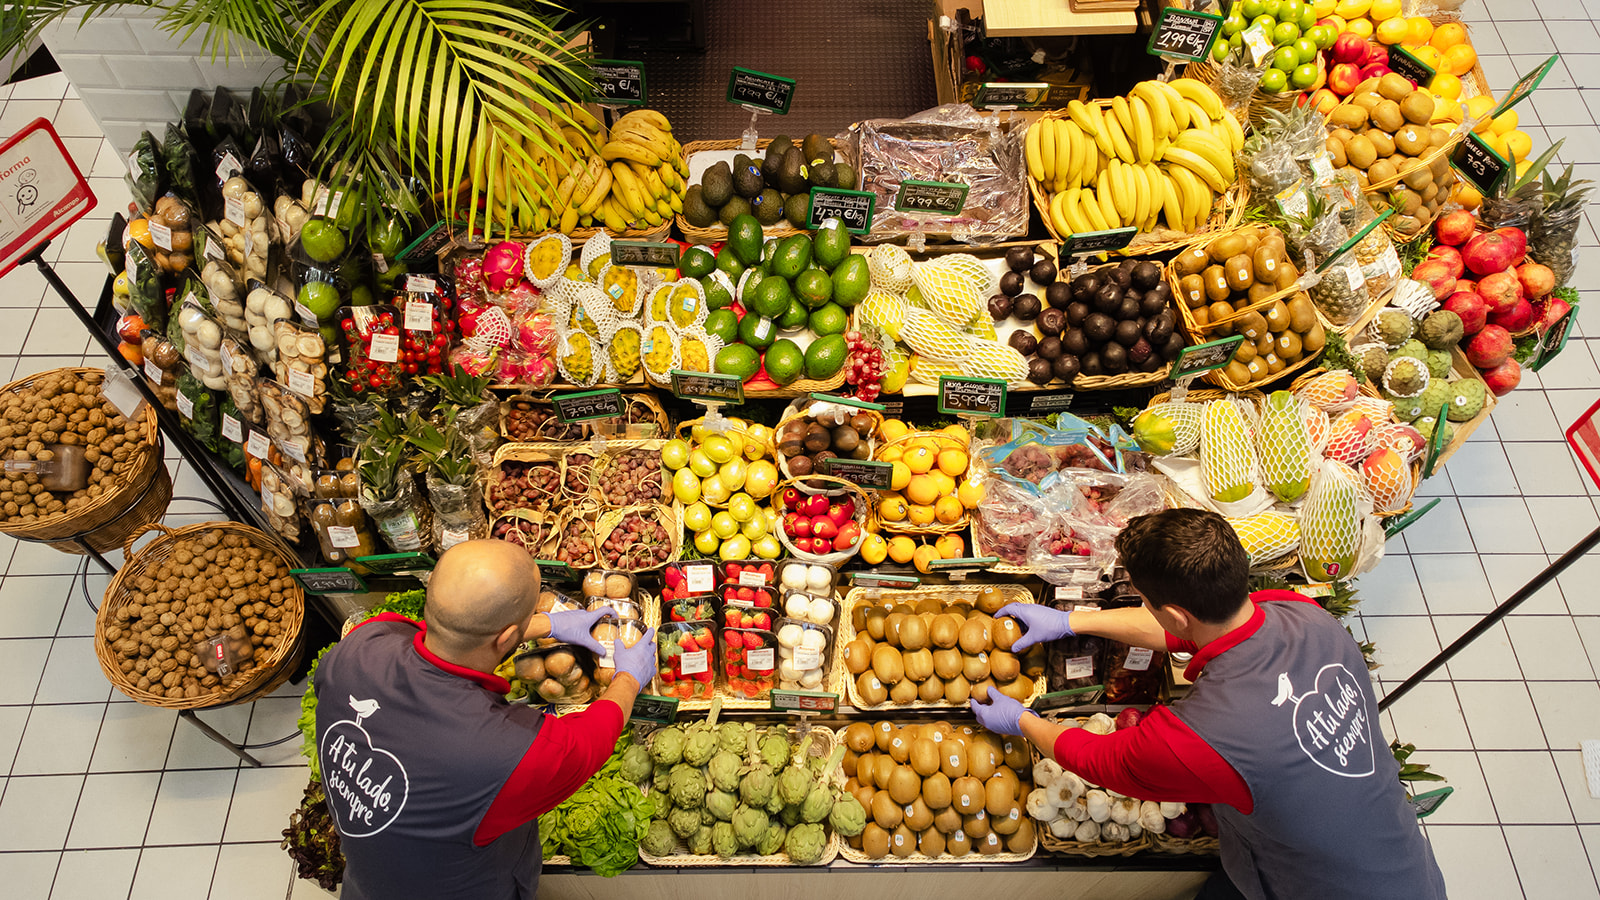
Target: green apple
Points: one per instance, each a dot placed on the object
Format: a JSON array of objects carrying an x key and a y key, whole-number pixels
[
  {"x": 1274, "y": 80},
  {"x": 697, "y": 517},
  {"x": 322, "y": 240},
  {"x": 1285, "y": 33},
  {"x": 1285, "y": 59}
]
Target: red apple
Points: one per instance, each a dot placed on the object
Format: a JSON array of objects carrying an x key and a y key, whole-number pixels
[
  {"x": 1376, "y": 70},
  {"x": 1343, "y": 79},
  {"x": 1449, "y": 256},
  {"x": 1516, "y": 319},
  {"x": 1348, "y": 47},
  {"x": 1323, "y": 100},
  {"x": 1537, "y": 279},
  {"x": 823, "y": 527},
  {"x": 1489, "y": 347},
  {"x": 1472, "y": 308},
  {"x": 1550, "y": 312},
  {"x": 1455, "y": 228},
  {"x": 1435, "y": 273},
  {"x": 1504, "y": 378},
  {"x": 1501, "y": 290}
]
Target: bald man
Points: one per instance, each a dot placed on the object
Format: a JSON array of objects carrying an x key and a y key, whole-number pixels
[{"x": 435, "y": 782}]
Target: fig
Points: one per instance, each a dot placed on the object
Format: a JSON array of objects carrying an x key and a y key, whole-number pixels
[
  {"x": 1108, "y": 299},
  {"x": 1074, "y": 342}
]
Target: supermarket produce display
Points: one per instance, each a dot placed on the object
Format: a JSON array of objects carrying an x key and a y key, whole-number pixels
[{"x": 817, "y": 452}]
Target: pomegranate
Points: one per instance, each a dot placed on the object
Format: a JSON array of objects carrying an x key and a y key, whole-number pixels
[
  {"x": 1128, "y": 718},
  {"x": 1518, "y": 240},
  {"x": 1515, "y": 320},
  {"x": 1504, "y": 378},
  {"x": 1500, "y": 290},
  {"x": 1493, "y": 251},
  {"x": 1454, "y": 228},
  {"x": 1489, "y": 347},
  {"x": 1550, "y": 312},
  {"x": 1537, "y": 279},
  {"x": 1471, "y": 307},
  {"x": 1449, "y": 256},
  {"x": 1435, "y": 273}
]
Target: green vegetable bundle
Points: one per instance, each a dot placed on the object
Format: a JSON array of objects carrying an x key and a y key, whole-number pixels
[{"x": 601, "y": 825}]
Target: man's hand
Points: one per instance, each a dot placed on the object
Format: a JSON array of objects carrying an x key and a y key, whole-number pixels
[
  {"x": 1001, "y": 715},
  {"x": 1040, "y": 624},
  {"x": 638, "y": 660},
  {"x": 573, "y": 627}
]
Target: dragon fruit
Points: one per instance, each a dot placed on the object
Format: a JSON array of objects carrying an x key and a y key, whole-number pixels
[{"x": 502, "y": 266}]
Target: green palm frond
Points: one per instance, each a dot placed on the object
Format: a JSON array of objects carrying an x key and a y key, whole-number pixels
[{"x": 227, "y": 28}]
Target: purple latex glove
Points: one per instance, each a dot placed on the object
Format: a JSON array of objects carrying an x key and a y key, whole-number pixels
[
  {"x": 638, "y": 660},
  {"x": 1040, "y": 624},
  {"x": 1001, "y": 715},
  {"x": 573, "y": 627}
]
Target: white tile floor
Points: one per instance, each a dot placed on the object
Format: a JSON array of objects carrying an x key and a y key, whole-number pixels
[{"x": 105, "y": 798}]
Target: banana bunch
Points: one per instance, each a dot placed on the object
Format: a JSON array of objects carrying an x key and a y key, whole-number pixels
[
  {"x": 630, "y": 178},
  {"x": 1164, "y": 151}
]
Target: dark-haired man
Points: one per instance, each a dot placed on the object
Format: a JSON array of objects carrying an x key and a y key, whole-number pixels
[{"x": 1279, "y": 732}]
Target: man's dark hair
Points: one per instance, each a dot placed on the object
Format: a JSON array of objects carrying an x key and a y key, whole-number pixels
[{"x": 1187, "y": 557}]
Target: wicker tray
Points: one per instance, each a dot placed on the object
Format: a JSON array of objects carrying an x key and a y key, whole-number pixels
[
  {"x": 946, "y": 593},
  {"x": 823, "y": 740},
  {"x": 120, "y": 494},
  {"x": 717, "y": 233},
  {"x": 949, "y": 442},
  {"x": 1091, "y": 849},
  {"x": 1200, "y": 846},
  {"x": 796, "y": 411},
  {"x": 273, "y": 666},
  {"x": 863, "y": 512}
]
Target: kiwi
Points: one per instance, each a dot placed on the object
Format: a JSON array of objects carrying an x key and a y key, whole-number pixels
[
  {"x": 1004, "y": 666},
  {"x": 904, "y": 785},
  {"x": 930, "y": 689},
  {"x": 887, "y": 813},
  {"x": 1382, "y": 142},
  {"x": 871, "y": 689},
  {"x": 1360, "y": 152},
  {"x": 1387, "y": 116},
  {"x": 1394, "y": 86},
  {"x": 957, "y": 689},
  {"x": 966, "y": 795},
  {"x": 936, "y": 789},
  {"x": 874, "y": 841},
  {"x": 1216, "y": 282},
  {"x": 918, "y": 816},
  {"x": 858, "y": 737},
  {"x": 1192, "y": 289},
  {"x": 931, "y": 843},
  {"x": 1239, "y": 272},
  {"x": 913, "y": 633},
  {"x": 953, "y": 760},
  {"x": 1192, "y": 261},
  {"x": 904, "y": 692}
]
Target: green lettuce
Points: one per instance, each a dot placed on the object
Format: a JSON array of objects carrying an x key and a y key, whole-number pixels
[{"x": 602, "y": 824}]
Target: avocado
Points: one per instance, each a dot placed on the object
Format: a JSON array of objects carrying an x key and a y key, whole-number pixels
[
  {"x": 792, "y": 173},
  {"x": 794, "y": 317},
  {"x": 817, "y": 147},
  {"x": 747, "y": 181},
  {"x": 734, "y": 208},
  {"x": 695, "y": 210},
  {"x": 716, "y": 185},
  {"x": 793, "y": 255},
  {"x": 796, "y": 208},
  {"x": 744, "y": 236},
  {"x": 767, "y": 207},
  {"x": 775, "y": 152},
  {"x": 822, "y": 174},
  {"x": 844, "y": 176}
]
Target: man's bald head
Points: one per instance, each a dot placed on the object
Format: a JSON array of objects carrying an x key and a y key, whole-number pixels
[{"x": 478, "y": 589}]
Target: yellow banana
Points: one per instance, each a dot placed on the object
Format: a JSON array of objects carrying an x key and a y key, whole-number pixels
[
  {"x": 1197, "y": 115},
  {"x": 1098, "y": 131},
  {"x": 569, "y": 220},
  {"x": 1078, "y": 111},
  {"x": 642, "y": 134},
  {"x": 1092, "y": 211},
  {"x": 615, "y": 222},
  {"x": 1160, "y": 113},
  {"x": 1141, "y": 196},
  {"x": 602, "y": 187},
  {"x": 1069, "y": 150},
  {"x": 1058, "y": 216},
  {"x": 1091, "y": 161},
  {"x": 1175, "y": 105},
  {"x": 1119, "y": 141},
  {"x": 1119, "y": 109},
  {"x": 1143, "y": 131},
  {"x": 629, "y": 152},
  {"x": 1172, "y": 201},
  {"x": 1158, "y": 193},
  {"x": 1212, "y": 149},
  {"x": 1235, "y": 132},
  {"x": 649, "y": 117},
  {"x": 1033, "y": 152},
  {"x": 1121, "y": 199},
  {"x": 625, "y": 188},
  {"x": 1200, "y": 93},
  {"x": 1196, "y": 205},
  {"x": 1072, "y": 211},
  {"x": 1108, "y": 202},
  {"x": 1047, "y": 151},
  {"x": 1199, "y": 165}
]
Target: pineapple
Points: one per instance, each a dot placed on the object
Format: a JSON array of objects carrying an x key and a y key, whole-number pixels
[{"x": 1554, "y": 238}]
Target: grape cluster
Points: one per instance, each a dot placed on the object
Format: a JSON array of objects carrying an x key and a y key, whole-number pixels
[{"x": 866, "y": 366}]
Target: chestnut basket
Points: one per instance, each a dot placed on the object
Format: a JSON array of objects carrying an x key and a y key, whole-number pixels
[
  {"x": 794, "y": 412},
  {"x": 863, "y": 502},
  {"x": 1367, "y": 390},
  {"x": 265, "y": 672},
  {"x": 821, "y": 745},
  {"x": 1053, "y": 844},
  {"x": 946, "y": 442},
  {"x": 586, "y": 512},
  {"x": 1199, "y": 334},
  {"x": 946, "y": 594},
  {"x": 611, "y": 518},
  {"x": 717, "y": 233},
  {"x": 126, "y": 503}
]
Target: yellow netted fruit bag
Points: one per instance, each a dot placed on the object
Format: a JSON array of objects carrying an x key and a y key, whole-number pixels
[
  {"x": 1267, "y": 536},
  {"x": 949, "y": 292},
  {"x": 890, "y": 268},
  {"x": 1284, "y": 447}
]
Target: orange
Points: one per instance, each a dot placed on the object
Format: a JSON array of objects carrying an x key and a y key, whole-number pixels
[
  {"x": 1497, "y": 143},
  {"x": 1519, "y": 143},
  {"x": 920, "y": 516},
  {"x": 1391, "y": 31},
  {"x": 920, "y": 459},
  {"x": 891, "y": 454},
  {"x": 1418, "y": 30},
  {"x": 948, "y": 510},
  {"x": 874, "y": 549},
  {"x": 891, "y": 429},
  {"x": 950, "y": 546},
  {"x": 922, "y": 490},
  {"x": 900, "y": 475},
  {"x": 138, "y": 230},
  {"x": 1383, "y": 10},
  {"x": 1360, "y": 27},
  {"x": 1446, "y": 85},
  {"x": 1449, "y": 35},
  {"x": 953, "y": 462},
  {"x": 944, "y": 483},
  {"x": 1430, "y": 56},
  {"x": 1505, "y": 122},
  {"x": 922, "y": 556},
  {"x": 892, "y": 508},
  {"x": 958, "y": 432},
  {"x": 1459, "y": 60},
  {"x": 970, "y": 493},
  {"x": 901, "y": 548}
]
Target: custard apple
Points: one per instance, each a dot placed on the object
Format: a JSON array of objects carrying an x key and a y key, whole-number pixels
[
  {"x": 1412, "y": 348},
  {"x": 1439, "y": 363},
  {"x": 1406, "y": 409},
  {"x": 1373, "y": 357},
  {"x": 1425, "y": 426},
  {"x": 1436, "y": 396},
  {"x": 1467, "y": 399},
  {"x": 1441, "y": 330},
  {"x": 1393, "y": 326},
  {"x": 1405, "y": 377}
]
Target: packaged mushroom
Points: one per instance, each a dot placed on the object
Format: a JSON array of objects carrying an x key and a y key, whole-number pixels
[
  {"x": 300, "y": 363},
  {"x": 279, "y": 502},
  {"x": 290, "y": 215},
  {"x": 262, "y": 307},
  {"x": 202, "y": 344},
  {"x": 239, "y": 373},
  {"x": 246, "y": 229},
  {"x": 227, "y": 295},
  {"x": 289, "y": 421},
  {"x": 161, "y": 364},
  {"x": 802, "y": 654}
]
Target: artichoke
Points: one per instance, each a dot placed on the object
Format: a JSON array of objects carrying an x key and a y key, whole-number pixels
[
  {"x": 684, "y": 822},
  {"x": 700, "y": 843},
  {"x": 790, "y": 816},
  {"x": 750, "y": 825},
  {"x": 775, "y": 803},
  {"x": 660, "y": 810},
  {"x": 666, "y": 748},
  {"x": 687, "y": 786},
  {"x": 658, "y": 777},
  {"x": 731, "y": 736},
  {"x": 804, "y": 843},
  {"x": 721, "y": 804},
  {"x": 794, "y": 784},
  {"x": 636, "y": 764},
  {"x": 723, "y": 841},
  {"x": 659, "y": 839},
  {"x": 706, "y": 818},
  {"x": 755, "y": 788},
  {"x": 774, "y": 748},
  {"x": 817, "y": 805},
  {"x": 848, "y": 817},
  {"x": 698, "y": 747},
  {"x": 772, "y": 841},
  {"x": 724, "y": 770}
]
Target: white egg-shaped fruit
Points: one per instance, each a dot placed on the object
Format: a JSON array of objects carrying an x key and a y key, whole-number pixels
[
  {"x": 818, "y": 578},
  {"x": 819, "y": 610},
  {"x": 787, "y": 671},
  {"x": 790, "y": 635},
  {"x": 811, "y": 678},
  {"x": 796, "y": 605}
]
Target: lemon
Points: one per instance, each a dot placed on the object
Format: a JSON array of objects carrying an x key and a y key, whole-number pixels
[
  {"x": 718, "y": 447},
  {"x": 714, "y": 490},
  {"x": 756, "y": 439}
]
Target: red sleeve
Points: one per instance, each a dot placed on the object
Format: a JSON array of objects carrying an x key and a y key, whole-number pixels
[
  {"x": 1161, "y": 759},
  {"x": 1176, "y": 644},
  {"x": 566, "y": 753}
]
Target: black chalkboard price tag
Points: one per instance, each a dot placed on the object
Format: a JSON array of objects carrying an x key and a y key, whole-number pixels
[
  {"x": 805, "y": 701},
  {"x": 877, "y": 580},
  {"x": 1087, "y": 242},
  {"x": 1010, "y": 95},
  {"x": 1401, "y": 60},
  {"x": 847, "y": 401},
  {"x": 617, "y": 82},
  {"x": 930, "y": 197},
  {"x": 760, "y": 91},
  {"x": 554, "y": 570},
  {"x": 1205, "y": 357},
  {"x": 706, "y": 387},
  {"x": 1184, "y": 34},
  {"x": 853, "y": 209},
  {"x": 1479, "y": 164},
  {"x": 878, "y": 476},
  {"x": 1553, "y": 341},
  {"x": 329, "y": 581},
  {"x": 586, "y": 405},
  {"x": 963, "y": 396},
  {"x": 1043, "y": 403},
  {"x": 644, "y": 253},
  {"x": 651, "y": 708},
  {"x": 395, "y": 563},
  {"x": 1072, "y": 697}
]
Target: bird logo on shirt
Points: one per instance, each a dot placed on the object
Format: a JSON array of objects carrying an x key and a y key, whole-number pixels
[{"x": 363, "y": 708}]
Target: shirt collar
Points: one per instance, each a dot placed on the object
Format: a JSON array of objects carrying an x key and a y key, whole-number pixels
[
  {"x": 1223, "y": 644},
  {"x": 486, "y": 680}
]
